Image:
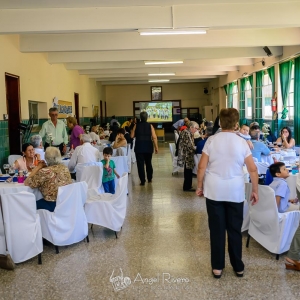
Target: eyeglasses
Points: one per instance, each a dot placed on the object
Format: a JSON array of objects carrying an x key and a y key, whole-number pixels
[{"x": 53, "y": 115}]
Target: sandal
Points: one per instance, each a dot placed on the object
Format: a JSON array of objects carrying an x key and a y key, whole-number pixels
[
  {"x": 217, "y": 275},
  {"x": 291, "y": 264},
  {"x": 239, "y": 274}
]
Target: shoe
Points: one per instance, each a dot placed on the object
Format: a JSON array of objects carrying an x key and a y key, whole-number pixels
[
  {"x": 149, "y": 181},
  {"x": 142, "y": 183},
  {"x": 292, "y": 264},
  {"x": 190, "y": 190},
  {"x": 239, "y": 274},
  {"x": 218, "y": 276}
]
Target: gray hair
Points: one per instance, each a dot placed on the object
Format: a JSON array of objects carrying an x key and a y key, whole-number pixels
[
  {"x": 52, "y": 109},
  {"x": 36, "y": 140},
  {"x": 86, "y": 138},
  {"x": 52, "y": 156},
  {"x": 143, "y": 116},
  {"x": 193, "y": 124}
]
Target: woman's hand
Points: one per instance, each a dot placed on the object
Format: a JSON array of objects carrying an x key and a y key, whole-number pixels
[
  {"x": 254, "y": 198},
  {"x": 199, "y": 192}
]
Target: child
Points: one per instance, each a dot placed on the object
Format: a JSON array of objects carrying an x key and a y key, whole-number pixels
[
  {"x": 244, "y": 132},
  {"x": 109, "y": 172},
  {"x": 281, "y": 189}
]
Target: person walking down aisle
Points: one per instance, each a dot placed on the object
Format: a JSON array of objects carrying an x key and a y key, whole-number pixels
[
  {"x": 145, "y": 136},
  {"x": 186, "y": 151},
  {"x": 224, "y": 189},
  {"x": 55, "y": 132}
]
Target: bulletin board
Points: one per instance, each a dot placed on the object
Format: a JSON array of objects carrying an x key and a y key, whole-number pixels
[{"x": 64, "y": 108}]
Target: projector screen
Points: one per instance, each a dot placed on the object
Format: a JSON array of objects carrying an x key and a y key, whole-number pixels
[{"x": 158, "y": 112}]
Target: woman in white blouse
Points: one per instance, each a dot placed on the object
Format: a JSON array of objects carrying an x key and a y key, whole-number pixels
[{"x": 221, "y": 163}]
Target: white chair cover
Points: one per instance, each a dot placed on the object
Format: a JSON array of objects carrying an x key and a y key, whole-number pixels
[
  {"x": 273, "y": 230},
  {"x": 262, "y": 167},
  {"x": 133, "y": 158},
  {"x": 176, "y": 136},
  {"x": 128, "y": 154},
  {"x": 292, "y": 183},
  {"x": 12, "y": 158},
  {"x": 67, "y": 224},
  {"x": 92, "y": 174},
  {"x": 246, "y": 221},
  {"x": 197, "y": 158},
  {"x": 174, "y": 159},
  {"x": 121, "y": 166},
  {"x": 22, "y": 226},
  {"x": 108, "y": 210}
]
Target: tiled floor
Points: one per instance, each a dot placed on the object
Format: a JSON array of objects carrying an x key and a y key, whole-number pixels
[{"x": 164, "y": 241}]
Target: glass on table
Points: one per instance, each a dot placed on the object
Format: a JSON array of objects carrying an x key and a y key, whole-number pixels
[
  {"x": 11, "y": 172},
  {"x": 6, "y": 167}
]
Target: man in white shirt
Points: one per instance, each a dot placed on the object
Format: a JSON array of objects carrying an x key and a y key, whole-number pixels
[
  {"x": 37, "y": 143},
  {"x": 54, "y": 131},
  {"x": 84, "y": 154}
]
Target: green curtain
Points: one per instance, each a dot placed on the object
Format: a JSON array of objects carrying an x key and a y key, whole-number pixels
[
  {"x": 242, "y": 101},
  {"x": 225, "y": 88},
  {"x": 285, "y": 72},
  {"x": 271, "y": 72},
  {"x": 258, "y": 100},
  {"x": 229, "y": 95},
  {"x": 297, "y": 100}
]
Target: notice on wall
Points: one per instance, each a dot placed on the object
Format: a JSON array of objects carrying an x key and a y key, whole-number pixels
[{"x": 64, "y": 108}]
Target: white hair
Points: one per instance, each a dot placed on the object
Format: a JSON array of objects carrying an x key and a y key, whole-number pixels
[
  {"x": 194, "y": 124},
  {"x": 86, "y": 138},
  {"x": 36, "y": 140},
  {"x": 52, "y": 156}
]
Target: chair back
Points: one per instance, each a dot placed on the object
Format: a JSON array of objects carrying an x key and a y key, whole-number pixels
[
  {"x": 261, "y": 168},
  {"x": 12, "y": 158},
  {"x": 264, "y": 214},
  {"x": 22, "y": 226},
  {"x": 91, "y": 173},
  {"x": 176, "y": 136}
]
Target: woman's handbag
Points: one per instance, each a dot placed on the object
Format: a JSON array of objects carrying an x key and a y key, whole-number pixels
[{"x": 6, "y": 261}]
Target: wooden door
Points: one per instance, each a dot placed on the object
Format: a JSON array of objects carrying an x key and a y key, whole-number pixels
[
  {"x": 12, "y": 83},
  {"x": 76, "y": 101},
  {"x": 101, "y": 113}
]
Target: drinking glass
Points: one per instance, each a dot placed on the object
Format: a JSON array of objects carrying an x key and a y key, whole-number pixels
[
  {"x": 11, "y": 172},
  {"x": 6, "y": 167}
]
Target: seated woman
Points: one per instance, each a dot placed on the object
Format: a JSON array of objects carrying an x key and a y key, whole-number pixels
[
  {"x": 29, "y": 160},
  {"x": 113, "y": 131},
  {"x": 120, "y": 140},
  {"x": 77, "y": 131},
  {"x": 37, "y": 143},
  {"x": 285, "y": 138},
  {"x": 49, "y": 178}
]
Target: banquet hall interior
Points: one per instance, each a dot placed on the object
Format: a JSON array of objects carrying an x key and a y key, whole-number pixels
[{"x": 96, "y": 59}]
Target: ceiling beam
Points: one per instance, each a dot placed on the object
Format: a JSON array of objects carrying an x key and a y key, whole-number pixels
[
  {"x": 160, "y": 54},
  {"x": 133, "y": 41}
]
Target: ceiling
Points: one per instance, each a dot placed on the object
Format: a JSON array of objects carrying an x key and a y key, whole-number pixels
[{"x": 100, "y": 38}]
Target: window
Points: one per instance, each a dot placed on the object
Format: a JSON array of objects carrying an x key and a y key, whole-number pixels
[
  {"x": 235, "y": 96},
  {"x": 290, "y": 100},
  {"x": 34, "y": 111},
  {"x": 248, "y": 100},
  {"x": 266, "y": 97}
]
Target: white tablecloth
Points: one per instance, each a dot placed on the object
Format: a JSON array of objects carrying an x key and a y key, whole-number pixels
[{"x": 9, "y": 188}]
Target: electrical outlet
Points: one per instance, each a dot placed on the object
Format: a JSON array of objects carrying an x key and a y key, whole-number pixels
[{"x": 5, "y": 116}]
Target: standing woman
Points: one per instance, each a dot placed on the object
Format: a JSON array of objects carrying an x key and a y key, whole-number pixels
[
  {"x": 222, "y": 160},
  {"x": 145, "y": 136},
  {"x": 186, "y": 152},
  {"x": 77, "y": 131},
  {"x": 286, "y": 138}
]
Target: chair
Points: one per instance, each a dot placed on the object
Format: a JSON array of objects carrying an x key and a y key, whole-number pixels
[
  {"x": 273, "y": 230},
  {"x": 246, "y": 216},
  {"x": 92, "y": 174},
  {"x": 67, "y": 224},
  {"x": 128, "y": 154},
  {"x": 197, "y": 158},
  {"x": 261, "y": 168},
  {"x": 174, "y": 159},
  {"x": 108, "y": 210},
  {"x": 176, "y": 136},
  {"x": 22, "y": 226},
  {"x": 12, "y": 158}
]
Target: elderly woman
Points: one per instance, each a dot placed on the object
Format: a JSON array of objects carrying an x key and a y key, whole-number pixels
[
  {"x": 186, "y": 151},
  {"x": 224, "y": 190},
  {"x": 29, "y": 159},
  {"x": 285, "y": 138},
  {"x": 77, "y": 131},
  {"x": 120, "y": 140},
  {"x": 49, "y": 178},
  {"x": 37, "y": 143}
]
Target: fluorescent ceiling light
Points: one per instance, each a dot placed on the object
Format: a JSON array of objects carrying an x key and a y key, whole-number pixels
[
  {"x": 161, "y": 62},
  {"x": 161, "y": 74},
  {"x": 171, "y": 31},
  {"x": 159, "y": 80}
]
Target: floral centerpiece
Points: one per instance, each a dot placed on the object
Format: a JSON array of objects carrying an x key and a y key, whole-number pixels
[
  {"x": 265, "y": 130},
  {"x": 50, "y": 138}
]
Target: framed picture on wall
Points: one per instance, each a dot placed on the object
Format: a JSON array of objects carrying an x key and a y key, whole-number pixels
[{"x": 156, "y": 93}]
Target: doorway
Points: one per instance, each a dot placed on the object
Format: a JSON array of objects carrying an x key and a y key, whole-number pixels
[
  {"x": 76, "y": 101},
  {"x": 12, "y": 84}
]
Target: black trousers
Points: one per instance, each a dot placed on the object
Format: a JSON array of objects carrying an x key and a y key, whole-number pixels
[
  {"x": 225, "y": 216},
  {"x": 188, "y": 178},
  {"x": 143, "y": 159},
  {"x": 60, "y": 147}
]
